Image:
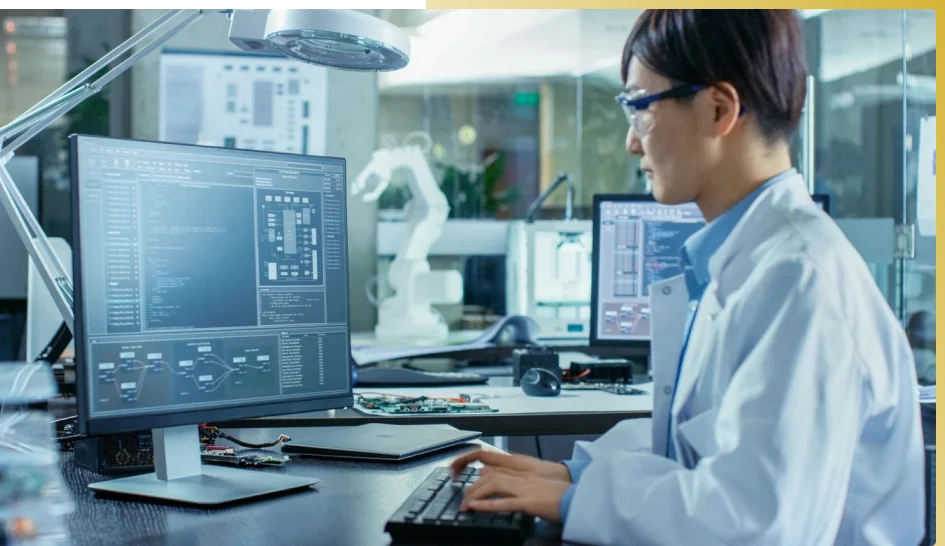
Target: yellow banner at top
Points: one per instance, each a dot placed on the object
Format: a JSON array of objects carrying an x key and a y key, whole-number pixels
[{"x": 614, "y": 4}]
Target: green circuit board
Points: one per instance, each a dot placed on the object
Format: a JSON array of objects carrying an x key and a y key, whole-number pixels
[{"x": 401, "y": 405}]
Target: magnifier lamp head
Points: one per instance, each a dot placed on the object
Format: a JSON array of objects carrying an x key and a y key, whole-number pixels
[{"x": 335, "y": 38}]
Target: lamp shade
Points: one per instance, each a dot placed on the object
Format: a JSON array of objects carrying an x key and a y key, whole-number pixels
[{"x": 343, "y": 39}]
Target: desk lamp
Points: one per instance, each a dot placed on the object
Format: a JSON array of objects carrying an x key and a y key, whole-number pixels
[{"x": 341, "y": 39}]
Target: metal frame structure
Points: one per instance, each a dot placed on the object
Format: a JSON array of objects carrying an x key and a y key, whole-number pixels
[{"x": 44, "y": 114}]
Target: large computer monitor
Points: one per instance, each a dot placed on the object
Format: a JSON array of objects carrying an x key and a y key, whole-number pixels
[
  {"x": 637, "y": 242},
  {"x": 211, "y": 284}
]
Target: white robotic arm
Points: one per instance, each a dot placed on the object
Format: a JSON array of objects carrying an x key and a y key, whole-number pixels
[{"x": 408, "y": 316}]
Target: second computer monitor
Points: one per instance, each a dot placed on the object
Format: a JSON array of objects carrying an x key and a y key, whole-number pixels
[{"x": 637, "y": 242}]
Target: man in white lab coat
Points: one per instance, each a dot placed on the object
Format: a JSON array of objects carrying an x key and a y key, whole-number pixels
[{"x": 785, "y": 404}]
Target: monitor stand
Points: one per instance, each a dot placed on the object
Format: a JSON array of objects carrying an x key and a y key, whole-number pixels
[{"x": 180, "y": 477}]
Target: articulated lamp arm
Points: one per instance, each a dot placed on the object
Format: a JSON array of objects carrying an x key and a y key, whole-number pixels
[{"x": 41, "y": 116}]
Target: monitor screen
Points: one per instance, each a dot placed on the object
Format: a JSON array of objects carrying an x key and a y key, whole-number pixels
[
  {"x": 211, "y": 283},
  {"x": 637, "y": 242}
]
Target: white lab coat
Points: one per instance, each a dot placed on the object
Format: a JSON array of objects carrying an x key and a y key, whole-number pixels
[{"x": 802, "y": 422}]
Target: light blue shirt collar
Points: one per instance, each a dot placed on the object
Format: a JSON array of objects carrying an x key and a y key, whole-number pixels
[{"x": 699, "y": 248}]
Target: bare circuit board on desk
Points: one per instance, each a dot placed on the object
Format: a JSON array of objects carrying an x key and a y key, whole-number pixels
[
  {"x": 245, "y": 457},
  {"x": 399, "y": 405},
  {"x": 612, "y": 388}
]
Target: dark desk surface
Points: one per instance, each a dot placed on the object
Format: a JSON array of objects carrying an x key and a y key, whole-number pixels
[{"x": 350, "y": 507}]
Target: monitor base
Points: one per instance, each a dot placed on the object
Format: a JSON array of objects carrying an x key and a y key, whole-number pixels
[
  {"x": 213, "y": 486},
  {"x": 179, "y": 476}
]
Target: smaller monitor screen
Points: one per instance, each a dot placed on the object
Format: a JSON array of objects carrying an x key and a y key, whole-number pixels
[{"x": 639, "y": 243}]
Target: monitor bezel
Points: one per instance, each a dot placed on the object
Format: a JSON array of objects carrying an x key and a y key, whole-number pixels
[
  {"x": 95, "y": 426},
  {"x": 599, "y": 198},
  {"x": 824, "y": 201}
]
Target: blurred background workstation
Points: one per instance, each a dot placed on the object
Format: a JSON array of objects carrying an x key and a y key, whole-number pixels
[{"x": 414, "y": 240}]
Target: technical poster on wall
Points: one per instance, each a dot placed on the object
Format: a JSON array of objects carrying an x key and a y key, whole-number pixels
[
  {"x": 926, "y": 185},
  {"x": 242, "y": 100}
]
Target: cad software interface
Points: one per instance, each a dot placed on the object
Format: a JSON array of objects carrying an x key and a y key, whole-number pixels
[
  {"x": 210, "y": 277},
  {"x": 639, "y": 245}
]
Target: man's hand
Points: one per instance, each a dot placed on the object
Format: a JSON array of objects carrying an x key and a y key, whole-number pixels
[
  {"x": 518, "y": 465},
  {"x": 516, "y": 492}
]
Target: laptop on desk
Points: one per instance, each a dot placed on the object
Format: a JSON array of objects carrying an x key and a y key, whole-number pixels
[{"x": 378, "y": 441}]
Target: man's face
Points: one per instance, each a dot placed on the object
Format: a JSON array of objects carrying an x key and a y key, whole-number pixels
[{"x": 673, "y": 151}]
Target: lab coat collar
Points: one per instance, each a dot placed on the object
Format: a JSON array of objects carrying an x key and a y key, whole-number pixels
[
  {"x": 756, "y": 224},
  {"x": 760, "y": 221},
  {"x": 703, "y": 244}
]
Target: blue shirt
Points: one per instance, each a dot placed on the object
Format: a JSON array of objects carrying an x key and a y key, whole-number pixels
[{"x": 694, "y": 258}]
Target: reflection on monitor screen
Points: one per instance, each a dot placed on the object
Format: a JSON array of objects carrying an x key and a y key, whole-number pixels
[{"x": 639, "y": 245}]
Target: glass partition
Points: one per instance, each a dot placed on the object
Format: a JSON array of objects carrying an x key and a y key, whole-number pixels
[
  {"x": 918, "y": 274},
  {"x": 520, "y": 96}
]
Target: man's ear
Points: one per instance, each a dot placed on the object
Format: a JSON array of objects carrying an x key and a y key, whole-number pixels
[{"x": 726, "y": 106}]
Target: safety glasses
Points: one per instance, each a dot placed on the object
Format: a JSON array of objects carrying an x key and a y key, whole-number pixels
[{"x": 635, "y": 105}]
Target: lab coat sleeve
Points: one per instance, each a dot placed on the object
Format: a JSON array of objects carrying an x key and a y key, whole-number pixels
[
  {"x": 784, "y": 437},
  {"x": 628, "y": 435}
]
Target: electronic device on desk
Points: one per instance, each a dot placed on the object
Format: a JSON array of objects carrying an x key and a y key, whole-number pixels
[
  {"x": 548, "y": 271},
  {"x": 225, "y": 455},
  {"x": 636, "y": 241},
  {"x": 396, "y": 404},
  {"x": 432, "y": 514},
  {"x": 165, "y": 340},
  {"x": 540, "y": 382},
  {"x": 606, "y": 370},
  {"x": 403, "y": 377},
  {"x": 534, "y": 357},
  {"x": 379, "y": 441},
  {"x": 126, "y": 453}
]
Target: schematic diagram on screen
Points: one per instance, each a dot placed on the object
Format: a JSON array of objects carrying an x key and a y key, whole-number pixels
[
  {"x": 289, "y": 238},
  {"x": 186, "y": 371}
]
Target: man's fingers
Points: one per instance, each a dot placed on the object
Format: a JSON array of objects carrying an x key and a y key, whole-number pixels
[
  {"x": 463, "y": 461},
  {"x": 499, "y": 484},
  {"x": 494, "y": 475},
  {"x": 487, "y": 457},
  {"x": 484, "y": 488},
  {"x": 498, "y": 470},
  {"x": 511, "y": 504},
  {"x": 483, "y": 481},
  {"x": 496, "y": 458}
]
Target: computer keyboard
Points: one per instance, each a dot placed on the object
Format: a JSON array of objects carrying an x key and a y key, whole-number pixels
[
  {"x": 400, "y": 377},
  {"x": 432, "y": 514}
]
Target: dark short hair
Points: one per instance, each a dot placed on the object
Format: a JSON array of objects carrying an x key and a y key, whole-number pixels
[{"x": 760, "y": 52}]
